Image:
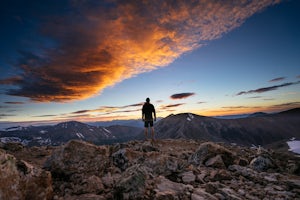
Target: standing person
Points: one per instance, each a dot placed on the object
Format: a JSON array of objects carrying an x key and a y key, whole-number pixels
[{"x": 147, "y": 117}]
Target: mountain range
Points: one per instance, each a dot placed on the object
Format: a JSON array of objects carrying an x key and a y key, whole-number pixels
[
  {"x": 256, "y": 129},
  {"x": 63, "y": 132}
]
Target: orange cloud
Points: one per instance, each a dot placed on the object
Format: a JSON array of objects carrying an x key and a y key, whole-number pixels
[{"x": 99, "y": 45}]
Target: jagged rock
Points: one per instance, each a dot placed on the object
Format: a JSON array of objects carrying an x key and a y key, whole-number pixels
[
  {"x": 209, "y": 150},
  {"x": 79, "y": 165},
  {"x": 2, "y": 145},
  {"x": 167, "y": 189},
  {"x": 213, "y": 187},
  {"x": 20, "y": 180},
  {"x": 123, "y": 158},
  {"x": 261, "y": 163},
  {"x": 120, "y": 159},
  {"x": 242, "y": 162},
  {"x": 82, "y": 184},
  {"x": 200, "y": 194},
  {"x": 215, "y": 162},
  {"x": 173, "y": 169},
  {"x": 13, "y": 146},
  {"x": 229, "y": 193},
  {"x": 243, "y": 171},
  {"x": 131, "y": 184},
  {"x": 163, "y": 164},
  {"x": 78, "y": 157},
  {"x": 218, "y": 175},
  {"x": 188, "y": 177},
  {"x": 148, "y": 147},
  {"x": 108, "y": 180}
]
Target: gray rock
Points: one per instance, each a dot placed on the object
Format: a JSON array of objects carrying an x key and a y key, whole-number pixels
[
  {"x": 148, "y": 147},
  {"x": 209, "y": 150},
  {"x": 21, "y": 180},
  {"x": 188, "y": 177},
  {"x": 261, "y": 163},
  {"x": 78, "y": 157},
  {"x": 215, "y": 162},
  {"x": 131, "y": 184},
  {"x": 200, "y": 194},
  {"x": 166, "y": 189},
  {"x": 120, "y": 159}
]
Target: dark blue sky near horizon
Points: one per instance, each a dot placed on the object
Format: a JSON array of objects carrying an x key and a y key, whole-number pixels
[{"x": 99, "y": 60}]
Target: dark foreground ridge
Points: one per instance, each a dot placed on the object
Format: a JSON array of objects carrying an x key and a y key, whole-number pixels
[{"x": 166, "y": 169}]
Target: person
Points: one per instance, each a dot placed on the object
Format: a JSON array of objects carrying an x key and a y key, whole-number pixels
[{"x": 148, "y": 112}]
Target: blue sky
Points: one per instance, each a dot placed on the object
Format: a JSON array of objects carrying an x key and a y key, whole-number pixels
[{"x": 99, "y": 60}]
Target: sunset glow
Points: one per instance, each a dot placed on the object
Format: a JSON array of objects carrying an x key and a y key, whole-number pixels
[{"x": 99, "y": 60}]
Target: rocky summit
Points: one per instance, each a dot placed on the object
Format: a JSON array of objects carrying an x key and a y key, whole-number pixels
[{"x": 163, "y": 169}]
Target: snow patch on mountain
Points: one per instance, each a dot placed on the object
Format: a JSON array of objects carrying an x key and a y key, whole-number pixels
[
  {"x": 190, "y": 117},
  {"x": 106, "y": 130},
  {"x": 294, "y": 146},
  {"x": 43, "y": 131},
  {"x": 14, "y": 140},
  {"x": 79, "y": 135},
  {"x": 10, "y": 139}
]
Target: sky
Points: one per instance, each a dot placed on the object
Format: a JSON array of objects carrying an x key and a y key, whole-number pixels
[{"x": 92, "y": 60}]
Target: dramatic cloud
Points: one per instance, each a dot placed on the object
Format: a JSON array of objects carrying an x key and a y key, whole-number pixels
[
  {"x": 14, "y": 102},
  {"x": 182, "y": 95},
  {"x": 80, "y": 111},
  {"x": 284, "y": 106},
  {"x": 133, "y": 105},
  {"x": 255, "y": 97},
  {"x": 45, "y": 116},
  {"x": 6, "y": 115},
  {"x": 235, "y": 107},
  {"x": 96, "y": 44},
  {"x": 267, "y": 89},
  {"x": 287, "y": 105},
  {"x": 173, "y": 105},
  {"x": 277, "y": 79},
  {"x": 169, "y": 106},
  {"x": 111, "y": 109}
]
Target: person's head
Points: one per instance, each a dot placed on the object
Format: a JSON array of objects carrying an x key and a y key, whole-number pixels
[{"x": 147, "y": 100}]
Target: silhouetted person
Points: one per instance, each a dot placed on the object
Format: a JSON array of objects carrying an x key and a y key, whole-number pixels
[{"x": 148, "y": 115}]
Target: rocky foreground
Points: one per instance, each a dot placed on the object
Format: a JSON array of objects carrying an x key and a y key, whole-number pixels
[{"x": 165, "y": 169}]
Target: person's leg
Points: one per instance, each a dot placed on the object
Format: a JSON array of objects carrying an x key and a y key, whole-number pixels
[
  {"x": 146, "y": 133},
  {"x": 152, "y": 130},
  {"x": 146, "y": 130}
]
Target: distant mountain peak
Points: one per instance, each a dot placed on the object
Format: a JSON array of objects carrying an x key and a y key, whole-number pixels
[
  {"x": 258, "y": 114},
  {"x": 291, "y": 111}
]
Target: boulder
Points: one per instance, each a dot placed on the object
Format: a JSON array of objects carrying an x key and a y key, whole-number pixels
[
  {"x": 20, "y": 180},
  {"x": 161, "y": 164},
  {"x": 200, "y": 194},
  {"x": 166, "y": 189},
  {"x": 131, "y": 185},
  {"x": 188, "y": 177},
  {"x": 261, "y": 163},
  {"x": 78, "y": 166},
  {"x": 210, "y": 150},
  {"x": 216, "y": 161},
  {"x": 78, "y": 157}
]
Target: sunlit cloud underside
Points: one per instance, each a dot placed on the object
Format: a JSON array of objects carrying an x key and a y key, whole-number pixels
[{"x": 97, "y": 46}]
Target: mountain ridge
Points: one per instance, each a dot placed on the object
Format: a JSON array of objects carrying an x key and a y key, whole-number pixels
[
  {"x": 65, "y": 131},
  {"x": 258, "y": 129}
]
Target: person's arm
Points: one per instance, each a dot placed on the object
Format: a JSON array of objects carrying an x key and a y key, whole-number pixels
[
  {"x": 143, "y": 114},
  {"x": 154, "y": 113}
]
